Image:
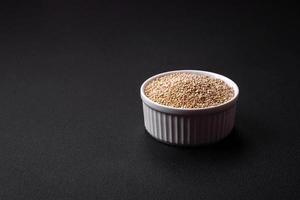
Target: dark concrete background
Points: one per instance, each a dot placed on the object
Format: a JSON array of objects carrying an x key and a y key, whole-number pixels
[{"x": 71, "y": 124}]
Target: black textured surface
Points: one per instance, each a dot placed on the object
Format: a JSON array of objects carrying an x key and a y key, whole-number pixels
[{"x": 71, "y": 124}]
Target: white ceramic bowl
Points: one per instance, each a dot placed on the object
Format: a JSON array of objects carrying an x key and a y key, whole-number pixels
[{"x": 195, "y": 126}]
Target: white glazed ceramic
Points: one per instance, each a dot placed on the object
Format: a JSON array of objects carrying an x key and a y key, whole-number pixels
[{"x": 196, "y": 126}]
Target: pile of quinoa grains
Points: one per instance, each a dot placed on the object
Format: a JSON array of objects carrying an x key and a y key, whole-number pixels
[{"x": 188, "y": 90}]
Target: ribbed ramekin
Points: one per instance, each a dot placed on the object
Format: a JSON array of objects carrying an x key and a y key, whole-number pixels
[{"x": 182, "y": 126}]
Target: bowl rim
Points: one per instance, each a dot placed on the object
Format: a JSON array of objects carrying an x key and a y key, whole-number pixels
[{"x": 172, "y": 110}]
